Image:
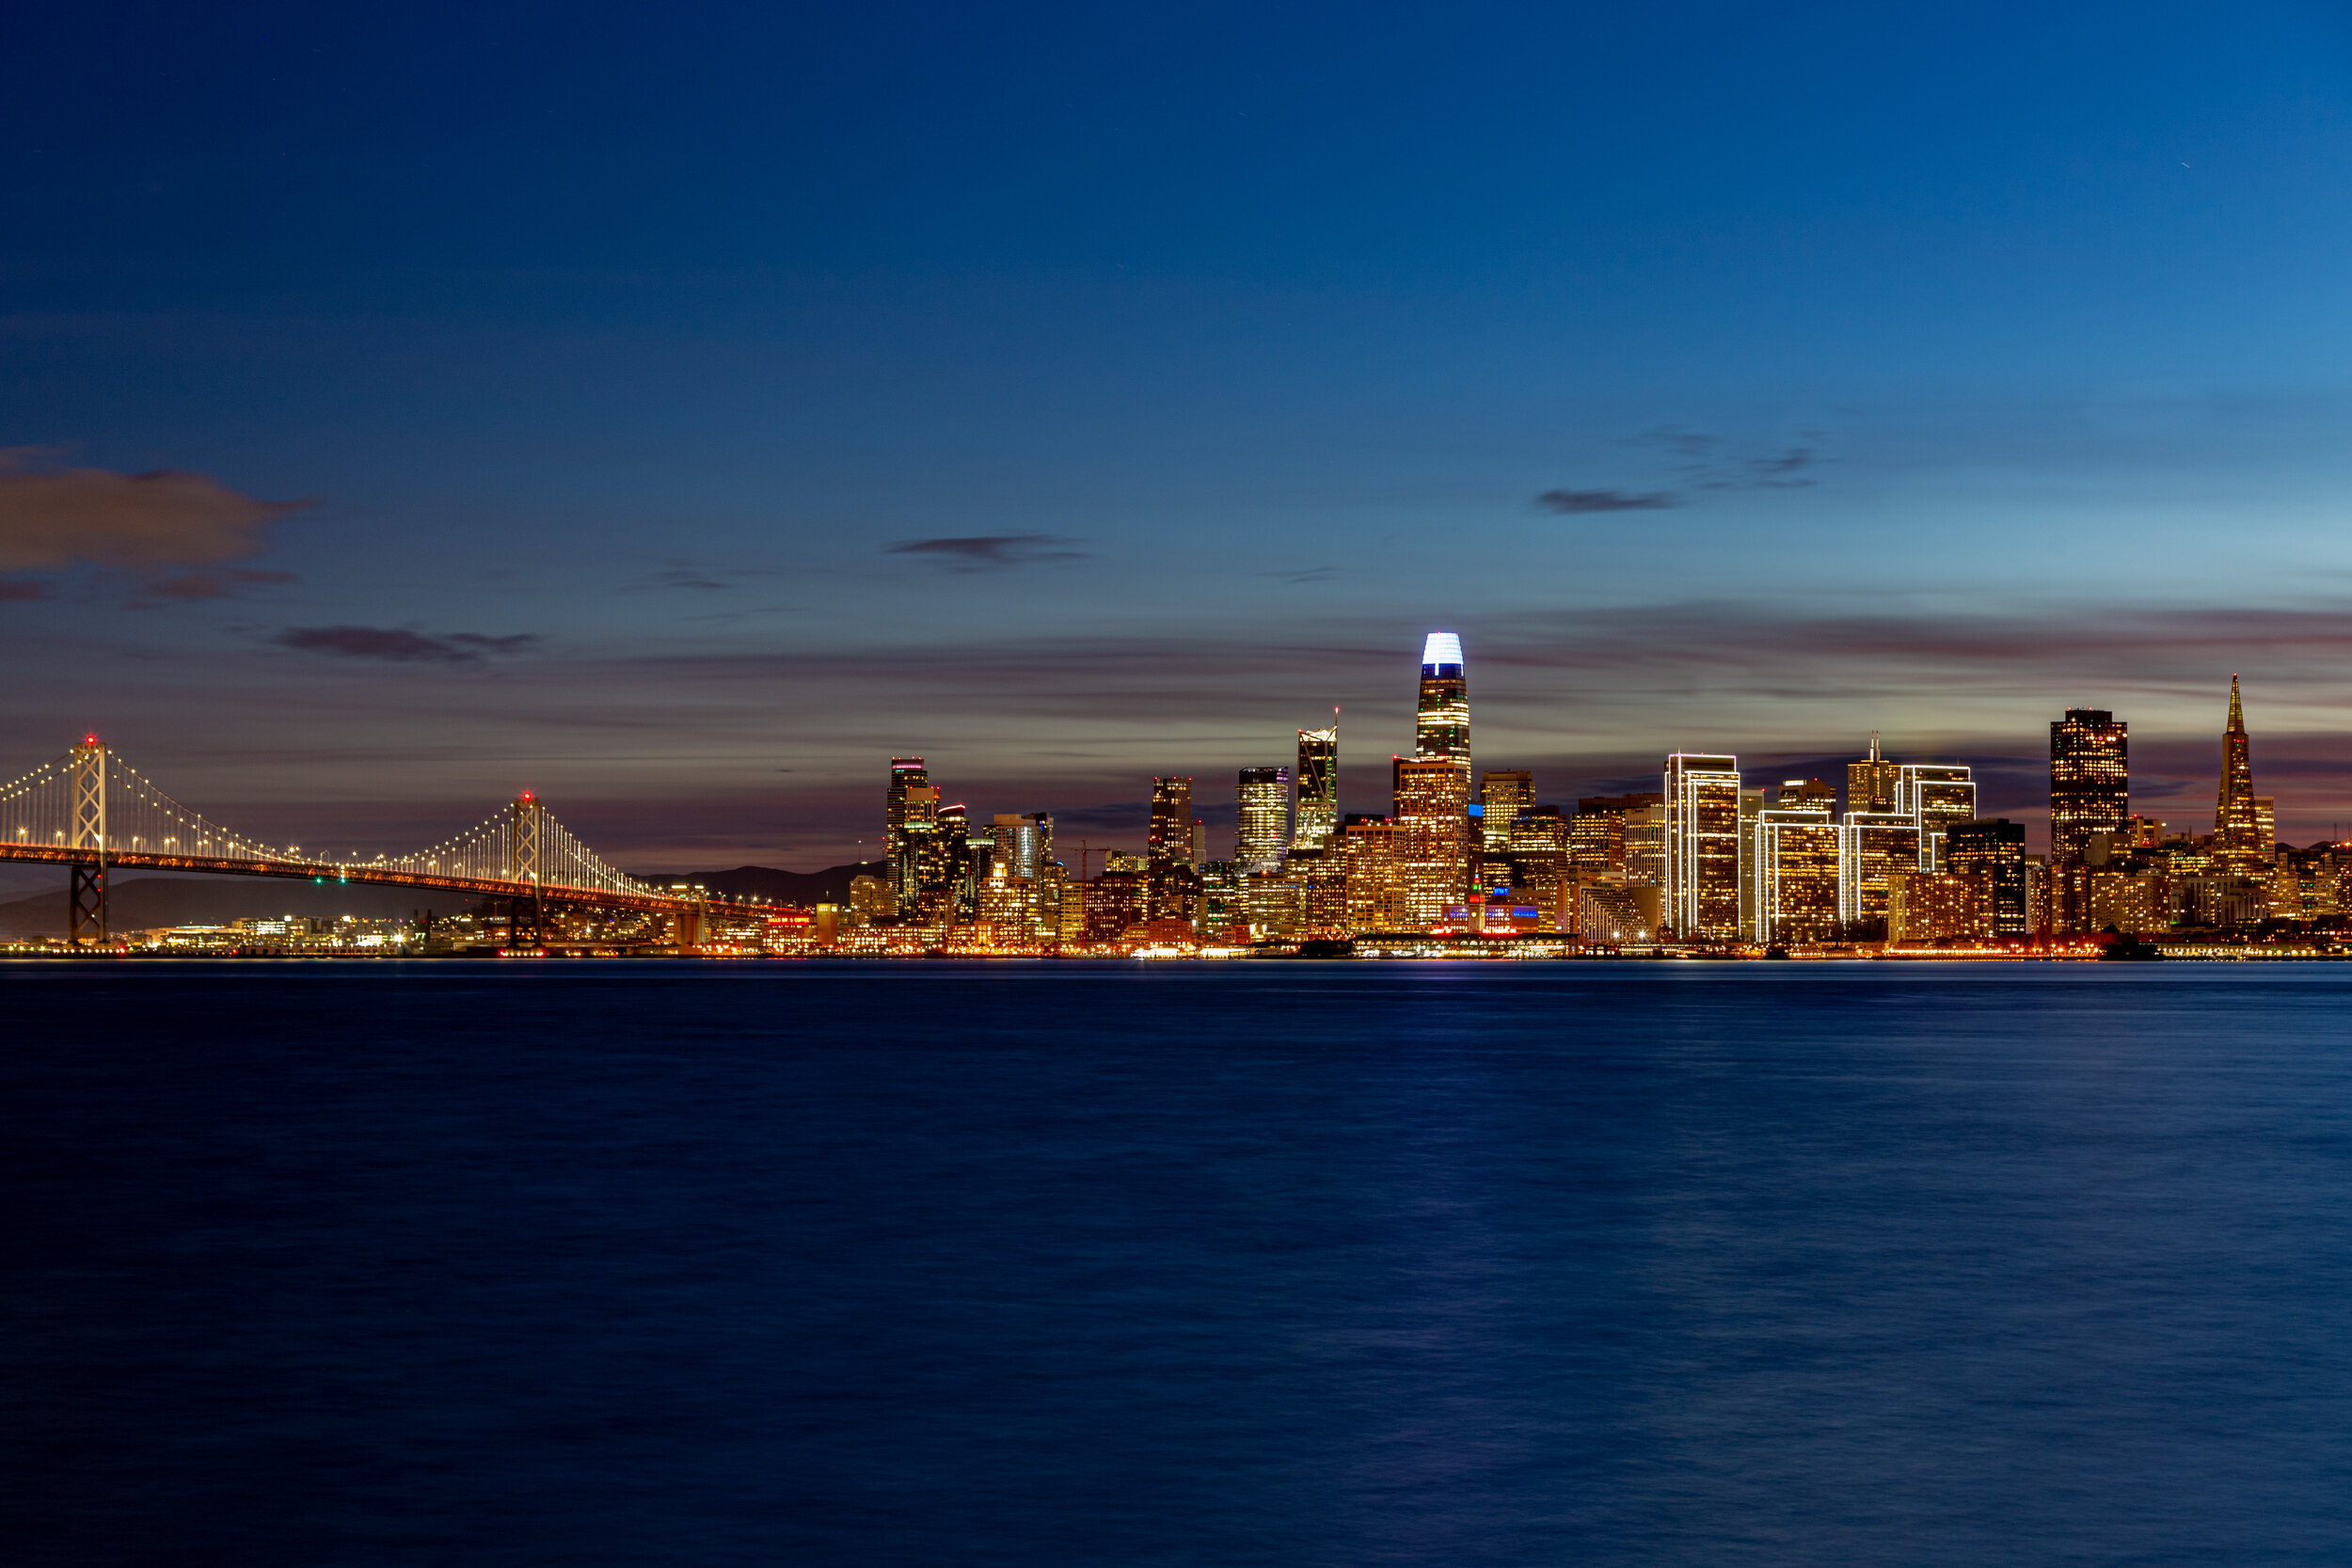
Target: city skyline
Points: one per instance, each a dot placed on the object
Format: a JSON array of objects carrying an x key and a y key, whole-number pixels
[
  {"x": 2168, "y": 776},
  {"x": 1907, "y": 855},
  {"x": 1710, "y": 858},
  {"x": 1069, "y": 404}
]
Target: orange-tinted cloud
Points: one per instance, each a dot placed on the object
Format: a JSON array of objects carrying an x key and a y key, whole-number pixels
[{"x": 49, "y": 521}]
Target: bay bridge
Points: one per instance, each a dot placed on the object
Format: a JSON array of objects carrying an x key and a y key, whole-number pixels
[{"x": 93, "y": 812}]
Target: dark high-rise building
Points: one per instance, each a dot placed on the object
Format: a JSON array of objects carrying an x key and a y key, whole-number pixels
[
  {"x": 1990, "y": 853},
  {"x": 2242, "y": 841},
  {"x": 1441, "y": 727},
  {"x": 911, "y": 845},
  {"x": 1318, "y": 815},
  {"x": 1170, "y": 841},
  {"x": 905, "y": 774},
  {"x": 1261, "y": 823},
  {"x": 1172, "y": 883},
  {"x": 956, "y": 858},
  {"x": 2091, "y": 782}
]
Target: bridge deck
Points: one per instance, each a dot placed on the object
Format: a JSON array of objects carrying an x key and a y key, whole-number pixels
[{"x": 320, "y": 871}]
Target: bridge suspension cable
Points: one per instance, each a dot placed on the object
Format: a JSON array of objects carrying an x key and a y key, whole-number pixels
[
  {"x": 90, "y": 799},
  {"x": 90, "y": 809},
  {"x": 522, "y": 843}
]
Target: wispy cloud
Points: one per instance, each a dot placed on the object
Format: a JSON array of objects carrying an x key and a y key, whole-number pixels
[
  {"x": 401, "y": 646},
  {"x": 1304, "y": 574},
  {"x": 693, "y": 577},
  {"x": 1705, "y": 463},
  {"x": 190, "y": 586},
  {"x": 1786, "y": 471},
  {"x": 991, "y": 552},
  {"x": 1575, "y": 502},
  {"x": 682, "y": 577},
  {"x": 729, "y": 617}
]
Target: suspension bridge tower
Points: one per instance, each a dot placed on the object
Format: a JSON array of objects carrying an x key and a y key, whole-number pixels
[
  {"x": 522, "y": 866},
  {"x": 86, "y": 916}
]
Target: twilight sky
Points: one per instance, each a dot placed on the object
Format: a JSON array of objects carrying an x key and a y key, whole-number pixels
[{"x": 679, "y": 410}]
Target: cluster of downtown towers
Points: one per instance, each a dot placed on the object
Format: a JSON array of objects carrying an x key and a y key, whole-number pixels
[{"x": 1704, "y": 859}]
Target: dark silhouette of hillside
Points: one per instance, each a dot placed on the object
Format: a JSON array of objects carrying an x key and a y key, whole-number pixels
[{"x": 828, "y": 886}]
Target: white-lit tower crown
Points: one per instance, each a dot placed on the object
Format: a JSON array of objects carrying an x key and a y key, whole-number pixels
[{"x": 1441, "y": 727}]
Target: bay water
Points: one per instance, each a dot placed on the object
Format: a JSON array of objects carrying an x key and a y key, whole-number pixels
[{"x": 1172, "y": 1263}]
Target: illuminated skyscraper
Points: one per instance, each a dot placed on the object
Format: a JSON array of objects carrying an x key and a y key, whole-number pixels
[
  {"x": 1702, "y": 847},
  {"x": 1171, "y": 837},
  {"x": 1320, "y": 875},
  {"x": 1432, "y": 816},
  {"x": 1504, "y": 794},
  {"x": 1875, "y": 849},
  {"x": 1441, "y": 727},
  {"x": 1597, "y": 837},
  {"x": 1795, "y": 859},
  {"x": 1021, "y": 846},
  {"x": 1262, "y": 825},
  {"x": 1935, "y": 795},
  {"x": 1870, "y": 783},
  {"x": 2091, "y": 782},
  {"x": 1645, "y": 842},
  {"x": 2242, "y": 846},
  {"x": 1376, "y": 882},
  {"x": 1928, "y": 906},
  {"x": 1751, "y": 807},
  {"x": 1430, "y": 791},
  {"x": 1805, "y": 794},
  {"x": 1318, "y": 815},
  {"x": 1541, "y": 831}
]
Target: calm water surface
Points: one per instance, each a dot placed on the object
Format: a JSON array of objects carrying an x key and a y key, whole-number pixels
[{"x": 1263, "y": 1263}]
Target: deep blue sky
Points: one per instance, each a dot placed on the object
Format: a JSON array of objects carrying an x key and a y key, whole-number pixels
[{"x": 1972, "y": 362}]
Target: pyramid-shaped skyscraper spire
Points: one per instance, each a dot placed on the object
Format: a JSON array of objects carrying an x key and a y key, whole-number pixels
[{"x": 2238, "y": 835}]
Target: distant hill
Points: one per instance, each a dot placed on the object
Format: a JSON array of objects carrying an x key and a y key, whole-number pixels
[
  {"x": 138, "y": 903},
  {"x": 828, "y": 886}
]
